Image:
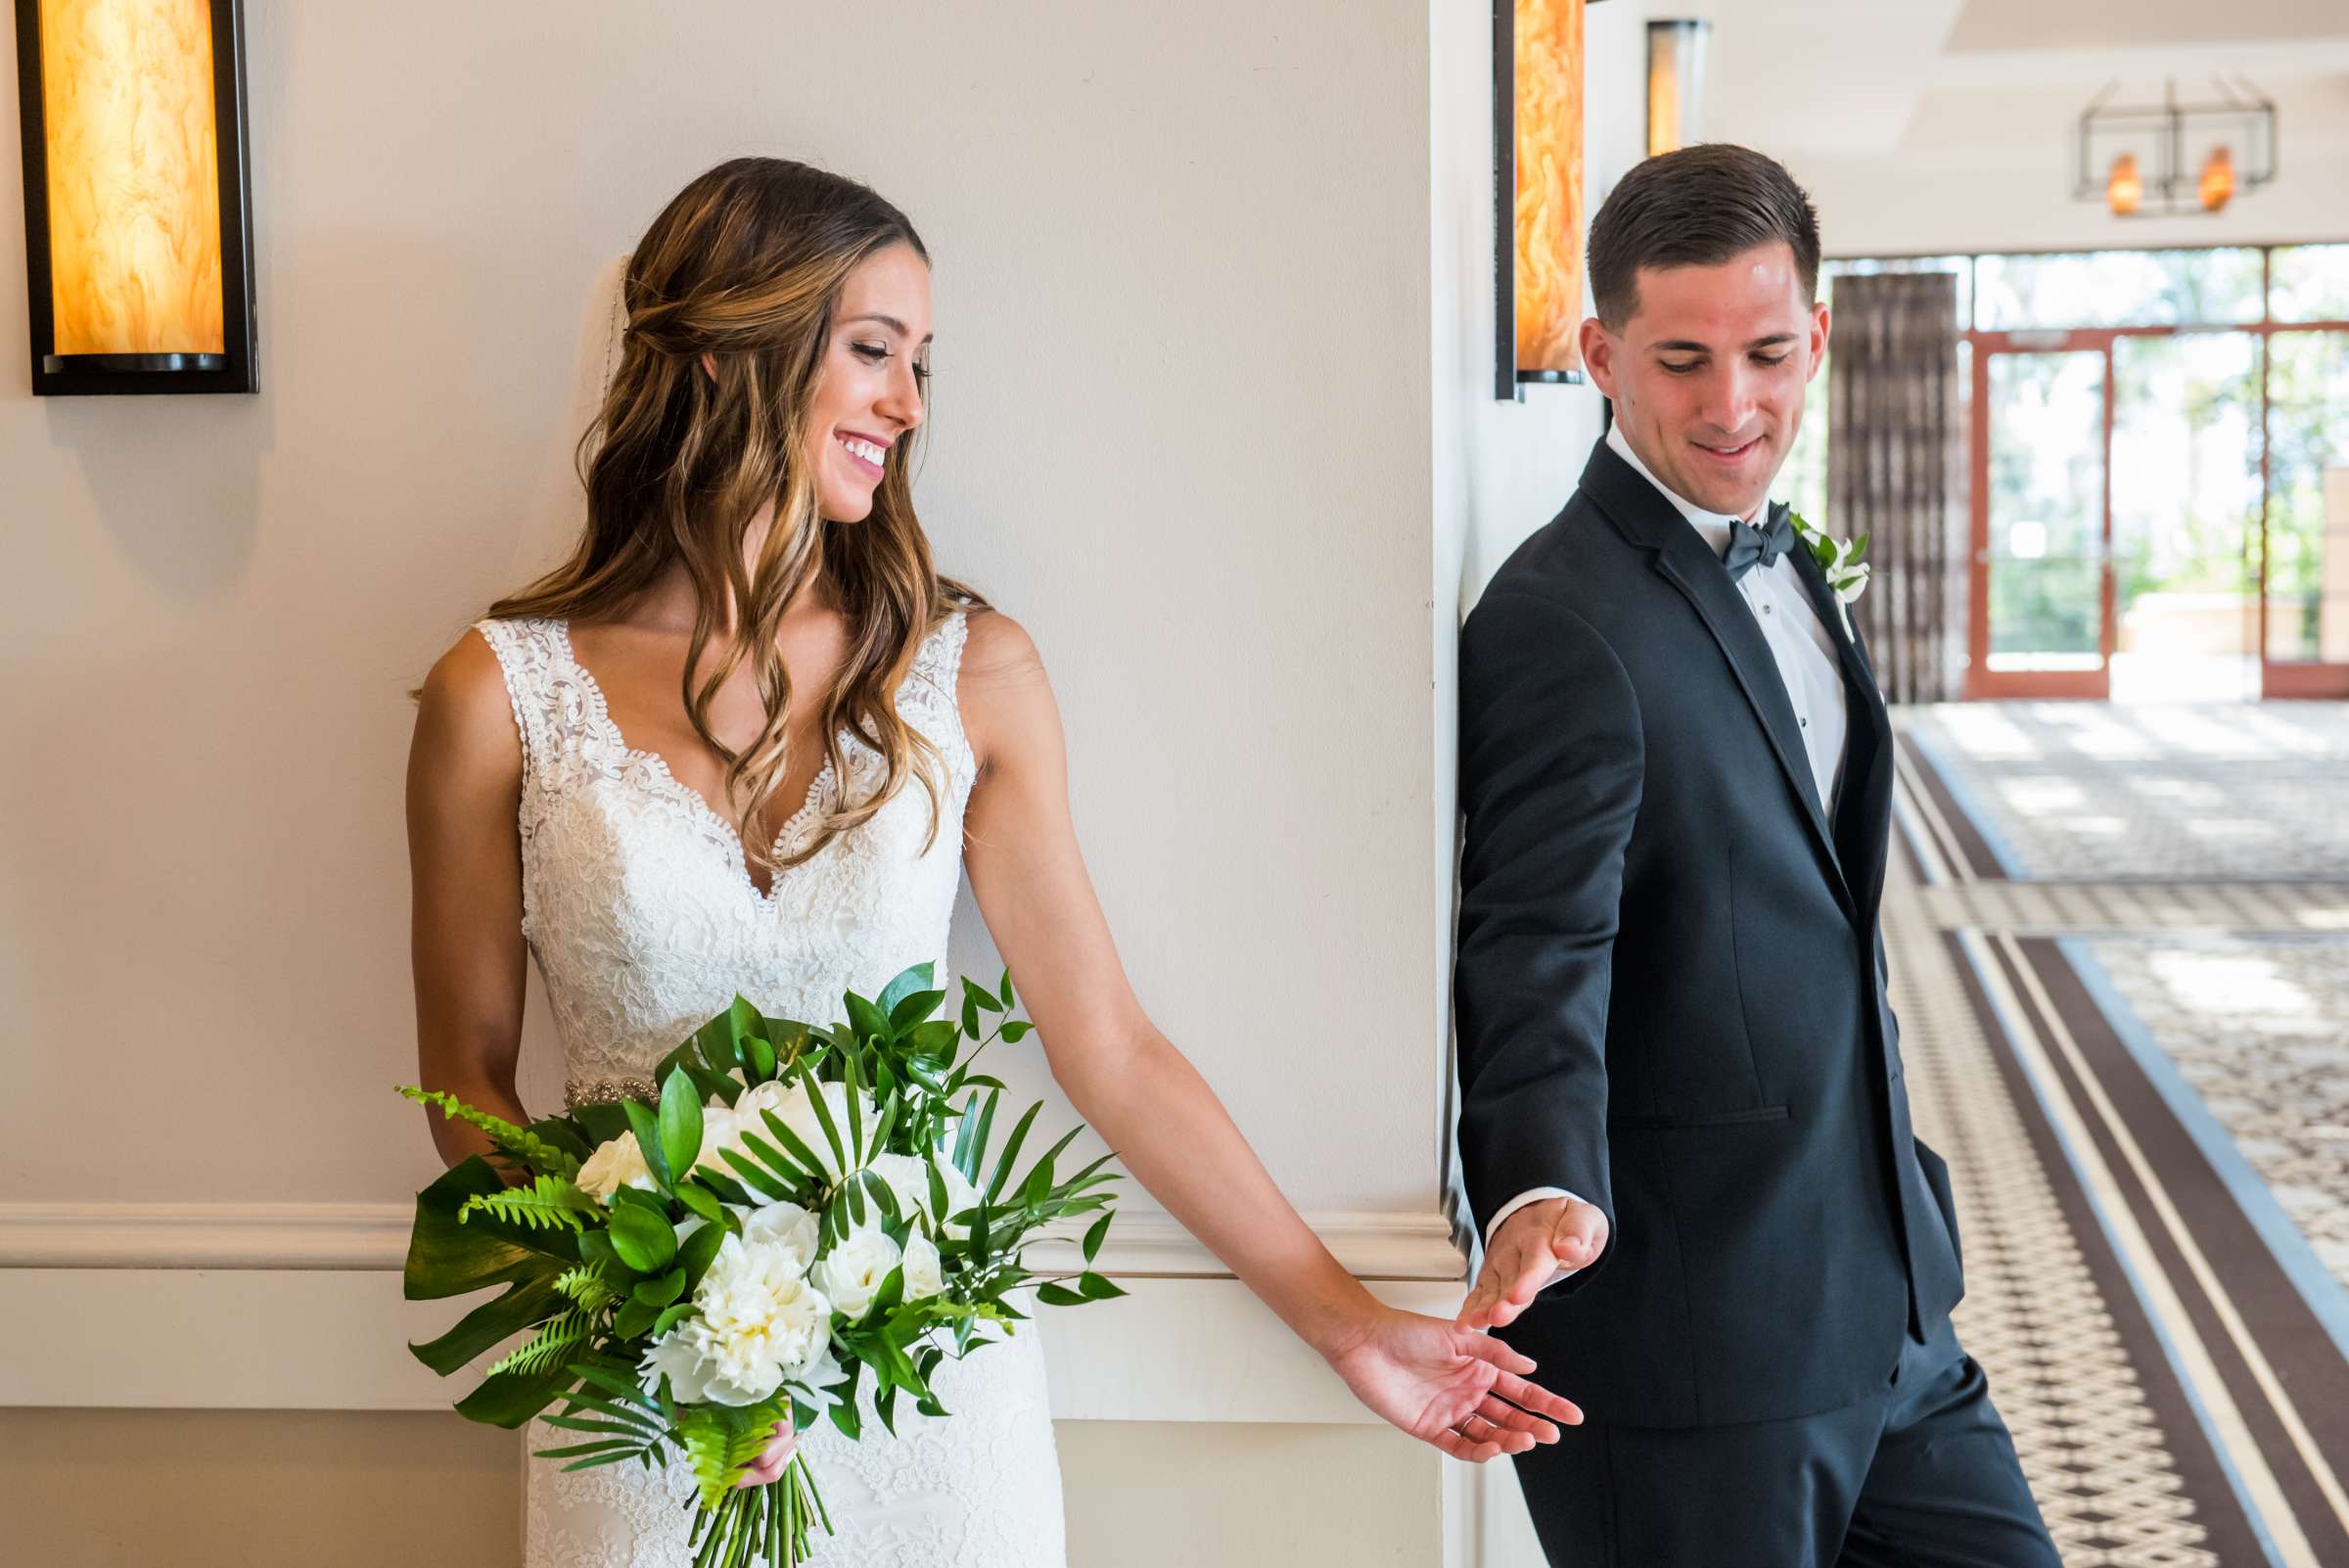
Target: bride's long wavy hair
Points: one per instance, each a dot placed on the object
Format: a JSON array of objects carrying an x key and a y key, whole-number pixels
[{"x": 745, "y": 265}]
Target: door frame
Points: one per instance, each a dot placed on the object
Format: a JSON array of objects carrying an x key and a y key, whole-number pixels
[
  {"x": 1981, "y": 682},
  {"x": 2277, "y": 678}
]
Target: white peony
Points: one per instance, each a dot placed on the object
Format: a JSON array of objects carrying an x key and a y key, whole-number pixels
[
  {"x": 924, "y": 1274},
  {"x": 616, "y": 1164},
  {"x": 761, "y": 1322},
  {"x": 786, "y": 1226},
  {"x": 852, "y": 1273}
]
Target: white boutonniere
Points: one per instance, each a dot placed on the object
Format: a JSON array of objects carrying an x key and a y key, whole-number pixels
[{"x": 1839, "y": 561}]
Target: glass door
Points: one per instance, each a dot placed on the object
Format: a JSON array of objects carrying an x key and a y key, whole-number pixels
[
  {"x": 2042, "y": 585},
  {"x": 2306, "y": 558}
]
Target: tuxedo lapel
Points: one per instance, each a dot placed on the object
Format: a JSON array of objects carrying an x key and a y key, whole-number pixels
[
  {"x": 1864, "y": 819},
  {"x": 1680, "y": 555}
]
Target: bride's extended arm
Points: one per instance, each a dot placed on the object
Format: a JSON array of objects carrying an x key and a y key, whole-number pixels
[{"x": 1428, "y": 1377}]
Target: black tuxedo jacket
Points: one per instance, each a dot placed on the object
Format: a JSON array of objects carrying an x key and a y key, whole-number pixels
[{"x": 1670, "y": 985}]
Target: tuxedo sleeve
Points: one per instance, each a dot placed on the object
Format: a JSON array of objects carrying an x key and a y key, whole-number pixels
[{"x": 1550, "y": 766}]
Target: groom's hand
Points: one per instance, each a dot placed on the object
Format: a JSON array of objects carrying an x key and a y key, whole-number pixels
[{"x": 1527, "y": 1252}]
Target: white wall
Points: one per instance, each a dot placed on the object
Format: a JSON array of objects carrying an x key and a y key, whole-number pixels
[
  {"x": 1182, "y": 370},
  {"x": 1180, "y": 429}
]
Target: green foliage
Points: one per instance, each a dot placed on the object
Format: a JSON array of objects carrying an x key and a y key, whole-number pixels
[
  {"x": 643, "y": 1236},
  {"x": 451, "y": 1256},
  {"x": 523, "y": 1145},
  {"x": 720, "y": 1439},
  {"x": 550, "y": 1203},
  {"x": 588, "y": 1288},
  {"x": 553, "y": 1344},
  {"x": 587, "y": 1283},
  {"x": 680, "y": 1125}
]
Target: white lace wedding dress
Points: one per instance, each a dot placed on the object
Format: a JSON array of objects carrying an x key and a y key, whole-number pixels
[{"x": 644, "y": 921}]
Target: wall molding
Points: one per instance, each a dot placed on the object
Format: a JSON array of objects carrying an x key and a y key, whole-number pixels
[
  {"x": 278, "y": 1305},
  {"x": 373, "y": 1236}
]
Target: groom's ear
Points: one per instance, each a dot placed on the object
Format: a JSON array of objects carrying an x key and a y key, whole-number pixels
[
  {"x": 1598, "y": 353},
  {"x": 1819, "y": 337}
]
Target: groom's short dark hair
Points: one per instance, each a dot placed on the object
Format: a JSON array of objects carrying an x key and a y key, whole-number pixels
[{"x": 1697, "y": 206}]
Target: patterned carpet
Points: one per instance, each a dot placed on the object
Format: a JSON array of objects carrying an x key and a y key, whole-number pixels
[{"x": 2120, "y": 950}]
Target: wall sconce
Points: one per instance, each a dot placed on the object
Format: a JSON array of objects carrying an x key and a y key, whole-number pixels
[
  {"x": 137, "y": 227},
  {"x": 1675, "y": 85},
  {"x": 1537, "y": 193}
]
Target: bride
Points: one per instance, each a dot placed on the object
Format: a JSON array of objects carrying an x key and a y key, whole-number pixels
[{"x": 745, "y": 740}]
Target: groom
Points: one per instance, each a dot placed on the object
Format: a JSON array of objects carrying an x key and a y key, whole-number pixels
[{"x": 1683, "y": 1121}]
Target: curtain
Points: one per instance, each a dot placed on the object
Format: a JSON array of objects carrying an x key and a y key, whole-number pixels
[{"x": 1895, "y": 457}]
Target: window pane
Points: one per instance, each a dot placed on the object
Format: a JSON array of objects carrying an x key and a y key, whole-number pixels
[
  {"x": 2310, "y": 282},
  {"x": 2117, "y": 288},
  {"x": 2307, "y": 506},
  {"x": 2046, "y": 511},
  {"x": 2186, "y": 516}
]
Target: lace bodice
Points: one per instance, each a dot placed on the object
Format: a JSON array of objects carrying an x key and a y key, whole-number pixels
[
  {"x": 636, "y": 899},
  {"x": 644, "y": 921}
]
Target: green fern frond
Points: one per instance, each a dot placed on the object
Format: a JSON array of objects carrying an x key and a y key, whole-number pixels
[
  {"x": 559, "y": 1336},
  {"x": 586, "y": 1285},
  {"x": 706, "y": 1449},
  {"x": 550, "y": 1203},
  {"x": 520, "y": 1142},
  {"x": 720, "y": 1442}
]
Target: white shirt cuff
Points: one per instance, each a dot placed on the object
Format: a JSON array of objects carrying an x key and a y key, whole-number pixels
[{"x": 1530, "y": 1195}]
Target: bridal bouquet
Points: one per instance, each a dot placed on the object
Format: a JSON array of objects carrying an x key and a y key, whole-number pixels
[{"x": 803, "y": 1206}]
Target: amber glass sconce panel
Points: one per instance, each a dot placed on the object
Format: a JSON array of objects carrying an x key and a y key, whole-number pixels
[
  {"x": 1675, "y": 85},
  {"x": 137, "y": 232},
  {"x": 1537, "y": 192}
]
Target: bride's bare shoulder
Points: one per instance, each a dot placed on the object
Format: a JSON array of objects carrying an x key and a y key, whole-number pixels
[
  {"x": 997, "y": 649},
  {"x": 463, "y": 715},
  {"x": 1005, "y": 697}
]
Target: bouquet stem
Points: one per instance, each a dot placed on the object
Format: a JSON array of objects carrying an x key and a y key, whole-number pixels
[{"x": 767, "y": 1525}]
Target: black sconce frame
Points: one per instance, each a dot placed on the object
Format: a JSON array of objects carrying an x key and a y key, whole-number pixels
[
  {"x": 1509, "y": 381},
  {"x": 231, "y": 371}
]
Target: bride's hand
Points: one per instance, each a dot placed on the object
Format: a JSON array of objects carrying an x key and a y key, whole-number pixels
[
  {"x": 1462, "y": 1391},
  {"x": 766, "y": 1469}
]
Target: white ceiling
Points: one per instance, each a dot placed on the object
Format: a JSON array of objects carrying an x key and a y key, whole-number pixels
[{"x": 1946, "y": 79}]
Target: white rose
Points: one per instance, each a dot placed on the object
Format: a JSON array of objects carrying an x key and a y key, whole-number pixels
[
  {"x": 852, "y": 1273},
  {"x": 924, "y": 1274},
  {"x": 960, "y": 1195},
  {"x": 616, "y": 1164},
  {"x": 909, "y": 1182},
  {"x": 768, "y": 1096},
  {"x": 721, "y": 1130},
  {"x": 796, "y": 1111}
]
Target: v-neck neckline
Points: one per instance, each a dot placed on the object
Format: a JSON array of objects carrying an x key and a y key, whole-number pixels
[{"x": 601, "y": 716}]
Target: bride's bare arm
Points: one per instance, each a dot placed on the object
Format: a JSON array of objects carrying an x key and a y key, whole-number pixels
[
  {"x": 465, "y": 870},
  {"x": 1124, "y": 1076},
  {"x": 1460, "y": 1391}
]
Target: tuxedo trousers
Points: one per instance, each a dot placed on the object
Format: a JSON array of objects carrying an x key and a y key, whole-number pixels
[{"x": 1919, "y": 1475}]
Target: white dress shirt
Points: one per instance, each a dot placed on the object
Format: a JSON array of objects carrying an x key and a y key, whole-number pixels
[{"x": 1804, "y": 650}]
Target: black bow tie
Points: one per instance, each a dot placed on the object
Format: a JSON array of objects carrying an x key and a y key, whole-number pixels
[{"x": 1750, "y": 546}]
